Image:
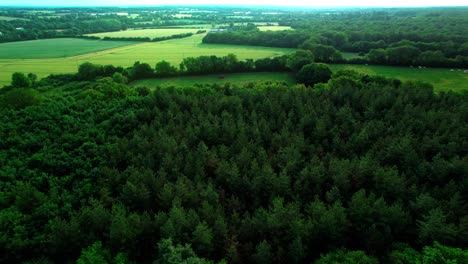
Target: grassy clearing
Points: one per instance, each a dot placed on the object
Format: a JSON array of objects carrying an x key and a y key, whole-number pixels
[
  {"x": 350, "y": 55},
  {"x": 173, "y": 51},
  {"x": 274, "y": 28},
  {"x": 144, "y": 33},
  {"x": 234, "y": 78},
  {"x": 55, "y": 48},
  {"x": 6, "y": 18},
  {"x": 442, "y": 79}
]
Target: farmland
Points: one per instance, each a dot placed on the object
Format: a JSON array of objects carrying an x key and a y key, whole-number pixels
[
  {"x": 173, "y": 51},
  {"x": 441, "y": 78},
  {"x": 235, "y": 78},
  {"x": 144, "y": 33},
  {"x": 55, "y": 48},
  {"x": 273, "y": 28}
]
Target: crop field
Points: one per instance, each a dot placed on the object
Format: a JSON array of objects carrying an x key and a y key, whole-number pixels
[
  {"x": 144, "y": 33},
  {"x": 173, "y": 51},
  {"x": 55, "y": 48},
  {"x": 274, "y": 28},
  {"x": 234, "y": 78},
  {"x": 442, "y": 79}
]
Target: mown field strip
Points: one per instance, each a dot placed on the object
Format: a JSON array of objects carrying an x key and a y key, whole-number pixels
[
  {"x": 442, "y": 79},
  {"x": 234, "y": 78},
  {"x": 56, "y": 48},
  {"x": 144, "y": 33}
]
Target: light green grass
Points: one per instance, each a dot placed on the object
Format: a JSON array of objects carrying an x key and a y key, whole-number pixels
[
  {"x": 6, "y": 18},
  {"x": 442, "y": 79},
  {"x": 144, "y": 33},
  {"x": 173, "y": 51},
  {"x": 274, "y": 28},
  {"x": 234, "y": 78},
  {"x": 55, "y": 48},
  {"x": 350, "y": 55}
]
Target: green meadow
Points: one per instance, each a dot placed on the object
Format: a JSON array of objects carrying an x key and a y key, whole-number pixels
[
  {"x": 173, "y": 51},
  {"x": 234, "y": 78},
  {"x": 442, "y": 79},
  {"x": 55, "y": 48},
  {"x": 144, "y": 33},
  {"x": 274, "y": 28},
  {"x": 6, "y": 18}
]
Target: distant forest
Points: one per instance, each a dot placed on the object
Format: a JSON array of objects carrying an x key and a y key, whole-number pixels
[
  {"x": 359, "y": 169},
  {"x": 411, "y": 38}
]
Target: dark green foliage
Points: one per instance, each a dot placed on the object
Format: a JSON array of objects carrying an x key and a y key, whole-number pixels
[
  {"x": 94, "y": 254},
  {"x": 165, "y": 69},
  {"x": 344, "y": 256},
  {"x": 262, "y": 173},
  {"x": 141, "y": 71},
  {"x": 19, "y": 80},
  {"x": 322, "y": 53},
  {"x": 19, "y": 98},
  {"x": 299, "y": 59},
  {"x": 314, "y": 73}
]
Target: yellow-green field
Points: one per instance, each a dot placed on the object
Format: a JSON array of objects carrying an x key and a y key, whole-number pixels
[
  {"x": 274, "y": 28},
  {"x": 144, "y": 33},
  {"x": 173, "y": 51},
  {"x": 441, "y": 78}
]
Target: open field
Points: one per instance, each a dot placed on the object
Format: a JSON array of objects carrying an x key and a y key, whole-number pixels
[
  {"x": 55, "y": 48},
  {"x": 441, "y": 78},
  {"x": 144, "y": 33},
  {"x": 267, "y": 25},
  {"x": 173, "y": 51},
  {"x": 234, "y": 78},
  {"x": 350, "y": 55},
  {"x": 274, "y": 28},
  {"x": 6, "y": 18}
]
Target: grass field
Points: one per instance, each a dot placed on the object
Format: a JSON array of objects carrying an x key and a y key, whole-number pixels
[
  {"x": 172, "y": 51},
  {"x": 274, "y": 28},
  {"x": 350, "y": 55},
  {"x": 442, "y": 79},
  {"x": 235, "y": 78},
  {"x": 144, "y": 33},
  {"x": 6, "y": 18},
  {"x": 55, "y": 48}
]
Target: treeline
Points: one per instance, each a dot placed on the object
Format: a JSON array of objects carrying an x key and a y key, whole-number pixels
[
  {"x": 188, "y": 66},
  {"x": 67, "y": 26},
  {"x": 300, "y": 63},
  {"x": 156, "y": 39},
  {"x": 386, "y": 38},
  {"x": 283, "y": 39},
  {"x": 358, "y": 170}
]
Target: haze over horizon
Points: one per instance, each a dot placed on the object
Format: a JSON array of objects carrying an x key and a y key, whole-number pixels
[{"x": 330, "y": 3}]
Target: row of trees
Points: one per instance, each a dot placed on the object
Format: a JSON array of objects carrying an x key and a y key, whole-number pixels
[
  {"x": 367, "y": 169},
  {"x": 209, "y": 65},
  {"x": 409, "y": 56}
]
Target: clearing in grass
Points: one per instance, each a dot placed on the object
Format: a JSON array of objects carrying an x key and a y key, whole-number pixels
[
  {"x": 55, "y": 48},
  {"x": 442, "y": 79},
  {"x": 274, "y": 28},
  {"x": 144, "y": 33},
  {"x": 233, "y": 78}
]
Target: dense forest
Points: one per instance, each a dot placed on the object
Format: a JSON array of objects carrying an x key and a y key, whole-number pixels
[
  {"x": 411, "y": 37},
  {"x": 356, "y": 169}
]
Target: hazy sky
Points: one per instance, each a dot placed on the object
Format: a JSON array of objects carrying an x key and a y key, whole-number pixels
[{"x": 320, "y": 3}]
